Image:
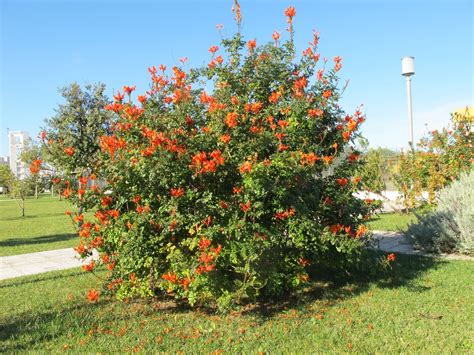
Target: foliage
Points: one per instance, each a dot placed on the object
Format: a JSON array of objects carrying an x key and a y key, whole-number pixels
[
  {"x": 5, "y": 175},
  {"x": 225, "y": 196},
  {"x": 372, "y": 171},
  {"x": 442, "y": 157},
  {"x": 450, "y": 227},
  {"x": 19, "y": 190},
  {"x": 71, "y": 137}
]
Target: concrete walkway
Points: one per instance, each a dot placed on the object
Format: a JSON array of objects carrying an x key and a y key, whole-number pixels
[
  {"x": 61, "y": 259},
  {"x": 394, "y": 242},
  {"x": 37, "y": 263}
]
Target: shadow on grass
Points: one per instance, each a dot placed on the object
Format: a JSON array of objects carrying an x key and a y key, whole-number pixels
[
  {"x": 21, "y": 280},
  {"x": 336, "y": 286},
  {"x": 13, "y": 242},
  {"x": 26, "y": 330}
]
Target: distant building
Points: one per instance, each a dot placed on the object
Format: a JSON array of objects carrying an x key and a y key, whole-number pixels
[
  {"x": 17, "y": 142},
  {"x": 5, "y": 161}
]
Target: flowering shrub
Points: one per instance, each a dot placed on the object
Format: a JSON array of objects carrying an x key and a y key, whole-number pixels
[
  {"x": 226, "y": 194},
  {"x": 442, "y": 157}
]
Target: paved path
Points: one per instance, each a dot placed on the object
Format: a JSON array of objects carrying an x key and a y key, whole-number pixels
[
  {"x": 394, "y": 242},
  {"x": 37, "y": 263},
  {"x": 61, "y": 259}
]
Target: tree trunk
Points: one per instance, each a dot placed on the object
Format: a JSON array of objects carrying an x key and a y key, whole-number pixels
[
  {"x": 36, "y": 191},
  {"x": 23, "y": 208}
]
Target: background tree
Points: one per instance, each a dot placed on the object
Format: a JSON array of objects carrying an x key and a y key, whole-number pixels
[
  {"x": 31, "y": 155},
  {"x": 5, "y": 176},
  {"x": 19, "y": 190},
  {"x": 71, "y": 137},
  {"x": 440, "y": 159},
  {"x": 372, "y": 171}
]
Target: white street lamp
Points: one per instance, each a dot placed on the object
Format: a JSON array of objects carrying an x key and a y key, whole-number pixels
[{"x": 408, "y": 69}]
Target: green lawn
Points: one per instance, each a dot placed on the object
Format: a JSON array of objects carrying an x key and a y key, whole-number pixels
[
  {"x": 391, "y": 221},
  {"x": 423, "y": 305},
  {"x": 44, "y": 227}
]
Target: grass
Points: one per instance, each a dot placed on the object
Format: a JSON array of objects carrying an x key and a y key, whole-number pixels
[
  {"x": 45, "y": 226},
  {"x": 422, "y": 305},
  {"x": 391, "y": 221}
]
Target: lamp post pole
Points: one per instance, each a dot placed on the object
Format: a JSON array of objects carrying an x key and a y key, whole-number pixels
[
  {"x": 410, "y": 114},
  {"x": 408, "y": 69}
]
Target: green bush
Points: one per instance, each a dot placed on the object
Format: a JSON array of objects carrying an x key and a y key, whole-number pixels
[{"x": 450, "y": 228}]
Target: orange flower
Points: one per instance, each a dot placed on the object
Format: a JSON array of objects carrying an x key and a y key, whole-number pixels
[
  {"x": 353, "y": 157},
  {"x": 346, "y": 135},
  {"x": 276, "y": 36},
  {"x": 113, "y": 213},
  {"x": 106, "y": 201},
  {"x": 336, "y": 228},
  {"x": 223, "y": 204},
  {"x": 285, "y": 214},
  {"x": 79, "y": 218},
  {"x": 283, "y": 124},
  {"x": 274, "y": 97},
  {"x": 290, "y": 12},
  {"x": 69, "y": 151},
  {"x": 118, "y": 97},
  {"x": 308, "y": 159},
  {"x": 213, "y": 49},
  {"x": 142, "y": 99},
  {"x": 129, "y": 89},
  {"x": 251, "y": 45},
  {"x": 237, "y": 190},
  {"x": 80, "y": 249},
  {"x": 327, "y": 94},
  {"x": 315, "y": 113},
  {"x": 225, "y": 138},
  {"x": 93, "y": 295},
  {"x": 327, "y": 159},
  {"x": 245, "y": 207},
  {"x": 89, "y": 267},
  {"x": 236, "y": 10},
  {"x": 303, "y": 262},
  {"x": 246, "y": 167},
  {"x": 217, "y": 156},
  {"x": 204, "y": 243},
  {"x": 391, "y": 257},
  {"x": 231, "y": 119},
  {"x": 35, "y": 166},
  {"x": 171, "y": 277},
  {"x": 342, "y": 181},
  {"x": 337, "y": 63},
  {"x": 361, "y": 231},
  {"x": 177, "y": 192}
]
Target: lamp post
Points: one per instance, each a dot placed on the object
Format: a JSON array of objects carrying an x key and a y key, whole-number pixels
[{"x": 408, "y": 69}]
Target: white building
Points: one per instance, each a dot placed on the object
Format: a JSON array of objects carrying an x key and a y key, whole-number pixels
[{"x": 17, "y": 141}]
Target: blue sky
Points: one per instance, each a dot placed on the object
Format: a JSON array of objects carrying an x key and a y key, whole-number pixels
[{"x": 45, "y": 45}]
